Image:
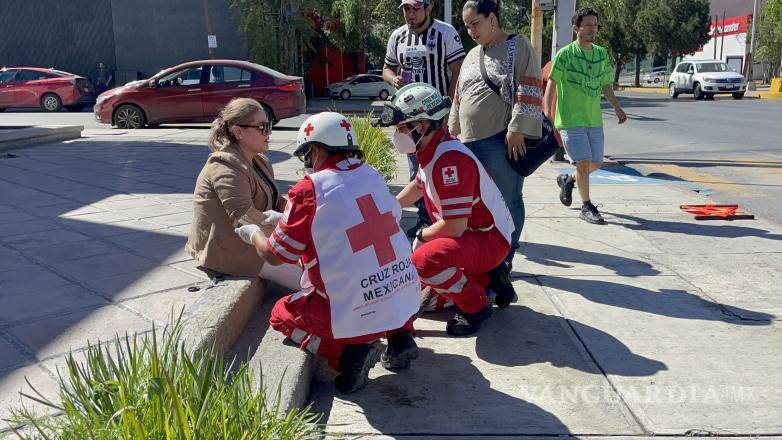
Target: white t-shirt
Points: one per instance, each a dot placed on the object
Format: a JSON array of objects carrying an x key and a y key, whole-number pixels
[{"x": 428, "y": 54}]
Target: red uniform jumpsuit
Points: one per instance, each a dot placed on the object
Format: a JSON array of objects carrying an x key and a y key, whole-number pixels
[
  {"x": 458, "y": 267},
  {"x": 305, "y": 317}
]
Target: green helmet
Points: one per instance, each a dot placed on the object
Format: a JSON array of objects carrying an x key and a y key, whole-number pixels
[{"x": 413, "y": 102}]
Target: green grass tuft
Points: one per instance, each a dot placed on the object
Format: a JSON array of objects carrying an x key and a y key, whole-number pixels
[
  {"x": 378, "y": 149},
  {"x": 154, "y": 387}
]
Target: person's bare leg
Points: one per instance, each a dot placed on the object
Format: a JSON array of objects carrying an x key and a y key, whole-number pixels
[{"x": 583, "y": 169}]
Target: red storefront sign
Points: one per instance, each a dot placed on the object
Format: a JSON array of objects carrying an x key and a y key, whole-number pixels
[{"x": 730, "y": 26}]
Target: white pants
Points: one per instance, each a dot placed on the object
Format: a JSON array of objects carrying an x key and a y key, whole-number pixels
[{"x": 286, "y": 275}]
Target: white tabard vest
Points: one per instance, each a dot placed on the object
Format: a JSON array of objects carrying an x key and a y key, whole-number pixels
[
  {"x": 490, "y": 194},
  {"x": 363, "y": 255}
]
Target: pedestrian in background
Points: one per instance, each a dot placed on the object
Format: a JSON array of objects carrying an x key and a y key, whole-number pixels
[
  {"x": 103, "y": 79},
  {"x": 580, "y": 72},
  {"x": 423, "y": 50},
  {"x": 497, "y": 104}
]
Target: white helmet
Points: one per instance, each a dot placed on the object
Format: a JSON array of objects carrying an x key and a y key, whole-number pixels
[
  {"x": 413, "y": 102},
  {"x": 329, "y": 130}
]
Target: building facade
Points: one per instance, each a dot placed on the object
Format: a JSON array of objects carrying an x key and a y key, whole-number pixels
[
  {"x": 135, "y": 39},
  {"x": 731, "y": 28}
]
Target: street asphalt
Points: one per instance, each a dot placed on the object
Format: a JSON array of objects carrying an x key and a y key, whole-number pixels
[
  {"x": 654, "y": 324},
  {"x": 728, "y": 149}
]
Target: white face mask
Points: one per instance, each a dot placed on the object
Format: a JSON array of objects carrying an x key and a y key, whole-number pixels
[{"x": 404, "y": 143}]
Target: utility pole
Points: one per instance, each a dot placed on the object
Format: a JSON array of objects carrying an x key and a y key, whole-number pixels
[
  {"x": 208, "y": 23},
  {"x": 563, "y": 25},
  {"x": 537, "y": 30},
  {"x": 448, "y": 11},
  {"x": 751, "y": 56}
]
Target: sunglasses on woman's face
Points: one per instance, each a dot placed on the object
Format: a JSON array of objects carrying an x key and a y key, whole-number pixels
[{"x": 264, "y": 127}]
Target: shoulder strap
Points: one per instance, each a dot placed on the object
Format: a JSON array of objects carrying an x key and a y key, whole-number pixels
[{"x": 511, "y": 63}]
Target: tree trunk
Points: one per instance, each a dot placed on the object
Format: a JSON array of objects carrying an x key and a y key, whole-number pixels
[
  {"x": 638, "y": 70},
  {"x": 618, "y": 70},
  {"x": 673, "y": 61}
]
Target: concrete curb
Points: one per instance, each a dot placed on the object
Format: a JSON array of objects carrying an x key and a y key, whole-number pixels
[
  {"x": 279, "y": 366},
  {"x": 24, "y": 137},
  {"x": 221, "y": 313},
  {"x": 749, "y": 94}
]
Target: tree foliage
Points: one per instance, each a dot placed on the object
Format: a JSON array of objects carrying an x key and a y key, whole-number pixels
[
  {"x": 277, "y": 31},
  {"x": 619, "y": 31},
  {"x": 769, "y": 36},
  {"x": 674, "y": 27}
]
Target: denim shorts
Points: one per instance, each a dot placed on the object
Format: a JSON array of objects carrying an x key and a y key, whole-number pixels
[{"x": 583, "y": 143}]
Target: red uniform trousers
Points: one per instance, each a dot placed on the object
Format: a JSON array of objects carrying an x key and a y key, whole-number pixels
[
  {"x": 457, "y": 268},
  {"x": 306, "y": 320}
]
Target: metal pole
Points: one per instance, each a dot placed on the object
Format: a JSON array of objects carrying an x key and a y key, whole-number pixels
[
  {"x": 563, "y": 25},
  {"x": 751, "y": 57},
  {"x": 722, "y": 46},
  {"x": 536, "y": 31},
  {"x": 715, "y": 34},
  {"x": 448, "y": 11},
  {"x": 208, "y": 24}
]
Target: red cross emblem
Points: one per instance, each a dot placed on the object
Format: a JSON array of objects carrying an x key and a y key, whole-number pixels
[
  {"x": 449, "y": 172},
  {"x": 308, "y": 129},
  {"x": 376, "y": 231},
  {"x": 344, "y": 124}
]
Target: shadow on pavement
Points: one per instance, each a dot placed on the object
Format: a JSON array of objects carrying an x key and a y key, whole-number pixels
[
  {"x": 694, "y": 229},
  {"x": 442, "y": 394},
  {"x": 703, "y": 163},
  {"x": 518, "y": 336},
  {"x": 89, "y": 228},
  {"x": 558, "y": 256},
  {"x": 673, "y": 303}
]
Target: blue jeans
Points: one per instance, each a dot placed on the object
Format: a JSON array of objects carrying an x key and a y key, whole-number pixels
[
  {"x": 412, "y": 167},
  {"x": 491, "y": 152}
]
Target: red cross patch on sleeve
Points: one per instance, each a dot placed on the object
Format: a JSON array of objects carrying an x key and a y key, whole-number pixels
[{"x": 450, "y": 176}]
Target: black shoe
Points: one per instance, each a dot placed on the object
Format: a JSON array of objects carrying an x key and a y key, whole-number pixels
[
  {"x": 354, "y": 365},
  {"x": 463, "y": 324},
  {"x": 400, "y": 351},
  {"x": 590, "y": 213},
  {"x": 499, "y": 283},
  {"x": 566, "y": 184},
  {"x": 420, "y": 224}
]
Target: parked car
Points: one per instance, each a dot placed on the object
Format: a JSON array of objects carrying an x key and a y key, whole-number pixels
[
  {"x": 48, "y": 89},
  {"x": 704, "y": 79},
  {"x": 656, "y": 75},
  {"x": 364, "y": 85},
  {"x": 197, "y": 91}
]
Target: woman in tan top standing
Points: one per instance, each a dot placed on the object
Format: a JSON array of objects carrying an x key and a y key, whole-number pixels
[
  {"x": 236, "y": 187},
  {"x": 493, "y": 118}
]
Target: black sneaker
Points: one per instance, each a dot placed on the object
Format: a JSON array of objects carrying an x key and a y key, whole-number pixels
[
  {"x": 590, "y": 213},
  {"x": 420, "y": 224},
  {"x": 463, "y": 324},
  {"x": 499, "y": 283},
  {"x": 566, "y": 184},
  {"x": 354, "y": 365},
  {"x": 400, "y": 351}
]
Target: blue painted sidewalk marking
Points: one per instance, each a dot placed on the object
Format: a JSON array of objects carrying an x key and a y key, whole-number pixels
[{"x": 618, "y": 175}]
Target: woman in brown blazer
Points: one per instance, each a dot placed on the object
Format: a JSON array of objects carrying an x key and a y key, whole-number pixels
[{"x": 236, "y": 187}]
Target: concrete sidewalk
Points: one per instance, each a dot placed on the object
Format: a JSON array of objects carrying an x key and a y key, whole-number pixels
[{"x": 654, "y": 323}]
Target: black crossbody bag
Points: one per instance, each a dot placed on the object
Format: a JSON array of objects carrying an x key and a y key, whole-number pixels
[{"x": 538, "y": 150}]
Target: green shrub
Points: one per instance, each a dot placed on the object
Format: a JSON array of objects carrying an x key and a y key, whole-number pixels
[
  {"x": 378, "y": 149},
  {"x": 143, "y": 388}
]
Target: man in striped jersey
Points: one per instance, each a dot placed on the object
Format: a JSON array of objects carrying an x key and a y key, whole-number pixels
[{"x": 423, "y": 50}]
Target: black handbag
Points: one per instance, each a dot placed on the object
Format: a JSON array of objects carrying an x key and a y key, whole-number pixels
[{"x": 538, "y": 150}]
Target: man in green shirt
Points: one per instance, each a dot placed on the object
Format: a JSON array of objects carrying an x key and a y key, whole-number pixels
[{"x": 581, "y": 72}]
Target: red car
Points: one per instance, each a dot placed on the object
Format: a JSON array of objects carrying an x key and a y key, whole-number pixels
[
  {"x": 197, "y": 91},
  {"x": 49, "y": 89}
]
